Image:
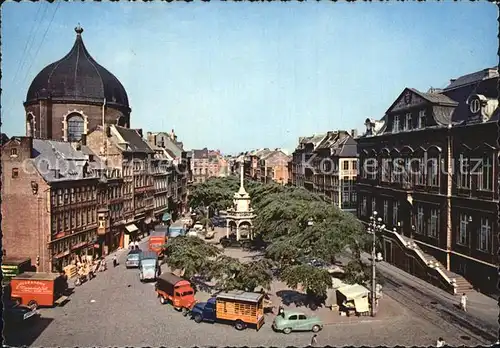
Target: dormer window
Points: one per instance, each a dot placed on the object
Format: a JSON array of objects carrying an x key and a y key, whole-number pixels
[
  {"x": 421, "y": 119},
  {"x": 407, "y": 125},
  {"x": 13, "y": 152},
  {"x": 475, "y": 105},
  {"x": 395, "y": 126}
]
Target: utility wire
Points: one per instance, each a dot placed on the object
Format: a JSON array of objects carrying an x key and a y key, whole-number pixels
[
  {"x": 27, "y": 48},
  {"x": 30, "y": 40},
  {"x": 41, "y": 42}
]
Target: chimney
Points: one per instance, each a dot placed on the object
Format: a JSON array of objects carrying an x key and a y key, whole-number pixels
[
  {"x": 452, "y": 80},
  {"x": 139, "y": 131},
  {"x": 83, "y": 141},
  {"x": 354, "y": 133}
]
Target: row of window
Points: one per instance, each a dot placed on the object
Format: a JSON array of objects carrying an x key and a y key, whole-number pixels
[
  {"x": 161, "y": 184},
  {"x": 482, "y": 169},
  {"x": 71, "y": 219},
  {"x": 73, "y": 195},
  {"x": 161, "y": 201},
  {"x": 407, "y": 123},
  {"x": 115, "y": 211},
  {"x": 428, "y": 223},
  {"x": 66, "y": 243},
  {"x": 143, "y": 202},
  {"x": 426, "y": 171},
  {"x": 143, "y": 180}
]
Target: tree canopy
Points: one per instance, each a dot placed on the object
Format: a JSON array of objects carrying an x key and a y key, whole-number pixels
[{"x": 297, "y": 226}]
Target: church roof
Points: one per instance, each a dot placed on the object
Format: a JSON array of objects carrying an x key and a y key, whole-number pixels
[{"x": 77, "y": 77}]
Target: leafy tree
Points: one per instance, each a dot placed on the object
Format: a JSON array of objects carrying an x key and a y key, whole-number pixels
[
  {"x": 297, "y": 225},
  {"x": 231, "y": 274},
  {"x": 191, "y": 255},
  {"x": 315, "y": 281}
]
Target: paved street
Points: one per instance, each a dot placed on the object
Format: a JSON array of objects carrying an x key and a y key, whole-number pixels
[{"x": 115, "y": 309}]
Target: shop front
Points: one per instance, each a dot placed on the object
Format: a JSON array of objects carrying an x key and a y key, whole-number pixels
[
  {"x": 116, "y": 237},
  {"x": 131, "y": 234}
]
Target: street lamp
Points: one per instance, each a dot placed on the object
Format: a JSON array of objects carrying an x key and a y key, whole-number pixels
[{"x": 374, "y": 226}]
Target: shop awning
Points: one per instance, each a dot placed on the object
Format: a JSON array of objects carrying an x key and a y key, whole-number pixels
[
  {"x": 165, "y": 217},
  {"x": 131, "y": 228}
]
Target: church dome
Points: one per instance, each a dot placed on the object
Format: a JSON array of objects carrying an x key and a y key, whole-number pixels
[{"x": 78, "y": 78}]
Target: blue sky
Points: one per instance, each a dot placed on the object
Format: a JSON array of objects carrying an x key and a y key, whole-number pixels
[{"x": 238, "y": 76}]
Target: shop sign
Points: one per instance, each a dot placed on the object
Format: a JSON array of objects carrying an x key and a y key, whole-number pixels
[{"x": 33, "y": 287}]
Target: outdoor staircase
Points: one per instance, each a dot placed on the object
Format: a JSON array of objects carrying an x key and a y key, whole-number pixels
[{"x": 461, "y": 285}]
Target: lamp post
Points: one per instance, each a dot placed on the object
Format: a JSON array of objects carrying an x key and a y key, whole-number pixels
[{"x": 374, "y": 226}]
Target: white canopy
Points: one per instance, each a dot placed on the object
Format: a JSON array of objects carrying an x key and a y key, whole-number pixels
[{"x": 353, "y": 291}]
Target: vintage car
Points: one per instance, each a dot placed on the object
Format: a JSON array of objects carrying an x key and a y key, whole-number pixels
[
  {"x": 209, "y": 234},
  {"x": 133, "y": 258},
  {"x": 289, "y": 321},
  {"x": 231, "y": 242},
  {"x": 16, "y": 315}
]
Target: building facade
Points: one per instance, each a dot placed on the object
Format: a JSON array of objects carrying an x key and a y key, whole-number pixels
[
  {"x": 90, "y": 184},
  {"x": 326, "y": 164},
  {"x": 273, "y": 167},
  {"x": 429, "y": 169},
  {"x": 126, "y": 152},
  {"x": 335, "y": 168},
  {"x": 55, "y": 185},
  {"x": 177, "y": 163},
  {"x": 207, "y": 164}
]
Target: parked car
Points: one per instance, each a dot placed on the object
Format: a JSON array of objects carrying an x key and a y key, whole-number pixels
[
  {"x": 192, "y": 233},
  {"x": 231, "y": 242},
  {"x": 324, "y": 265},
  {"x": 133, "y": 258},
  {"x": 296, "y": 321},
  {"x": 210, "y": 234},
  {"x": 198, "y": 227},
  {"x": 16, "y": 315},
  {"x": 149, "y": 267}
]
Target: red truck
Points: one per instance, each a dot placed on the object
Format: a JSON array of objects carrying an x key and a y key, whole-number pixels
[
  {"x": 157, "y": 240},
  {"x": 175, "y": 290}
]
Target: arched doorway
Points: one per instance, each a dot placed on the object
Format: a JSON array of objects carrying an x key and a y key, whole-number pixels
[
  {"x": 245, "y": 230},
  {"x": 75, "y": 125},
  {"x": 232, "y": 225}
]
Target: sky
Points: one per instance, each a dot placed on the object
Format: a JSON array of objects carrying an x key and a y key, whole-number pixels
[{"x": 238, "y": 76}]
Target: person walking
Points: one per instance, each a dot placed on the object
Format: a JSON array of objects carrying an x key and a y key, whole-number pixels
[
  {"x": 314, "y": 341},
  {"x": 463, "y": 302},
  {"x": 440, "y": 342},
  {"x": 114, "y": 261}
]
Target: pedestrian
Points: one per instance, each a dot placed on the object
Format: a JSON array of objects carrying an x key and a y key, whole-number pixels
[
  {"x": 314, "y": 341},
  {"x": 114, "y": 261},
  {"x": 440, "y": 342},
  {"x": 463, "y": 302}
]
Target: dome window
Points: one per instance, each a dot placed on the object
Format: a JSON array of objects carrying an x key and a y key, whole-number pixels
[{"x": 75, "y": 124}]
